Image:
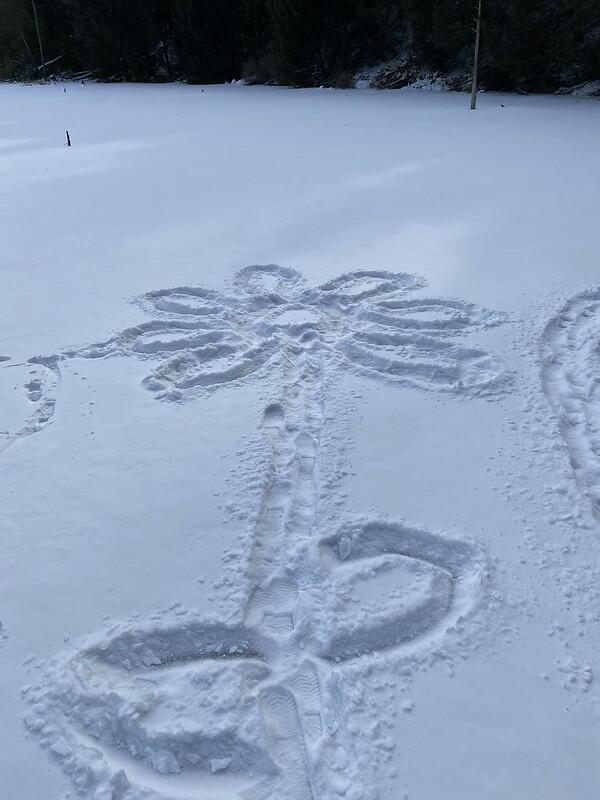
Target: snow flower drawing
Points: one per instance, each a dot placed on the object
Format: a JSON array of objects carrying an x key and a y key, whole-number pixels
[
  {"x": 205, "y": 338},
  {"x": 255, "y": 706}
]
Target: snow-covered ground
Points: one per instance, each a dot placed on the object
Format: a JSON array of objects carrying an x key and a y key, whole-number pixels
[{"x": 310, "y": 531}]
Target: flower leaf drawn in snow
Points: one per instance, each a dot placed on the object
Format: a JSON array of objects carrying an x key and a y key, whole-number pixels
[
  {"x": 445, "y": 577},
  {"x": 191, "y": 698}
]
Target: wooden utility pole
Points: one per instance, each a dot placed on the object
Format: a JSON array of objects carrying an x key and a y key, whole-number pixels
[
  {"x": 476, "y": 57},
  {"x": 39, "y": 38}
]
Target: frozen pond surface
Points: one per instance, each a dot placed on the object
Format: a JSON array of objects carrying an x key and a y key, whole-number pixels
[{"x": 325, "y": 527}]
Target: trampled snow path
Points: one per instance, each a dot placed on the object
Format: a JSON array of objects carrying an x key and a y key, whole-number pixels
[
  {"x": 570, "y": 355},
  {"x": 137, "y": 711}
]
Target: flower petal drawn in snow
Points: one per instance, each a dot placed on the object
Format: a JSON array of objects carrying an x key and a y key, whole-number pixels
[
  {"x": 422, "y": 362},
  {"x": 221, "y": 358},
  {"x": 353, "y": 287},
  {"x": 269, "y": 282},
  {"x": 431, "y": 315},
  {"x": 406, "y": 342},
  {"x": 187, "y": 301}
]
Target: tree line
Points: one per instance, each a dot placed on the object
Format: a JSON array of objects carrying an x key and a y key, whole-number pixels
[{"x": 530, "y": 45}]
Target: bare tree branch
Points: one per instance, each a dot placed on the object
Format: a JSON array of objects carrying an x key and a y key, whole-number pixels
[{"x": 476, "y": 58}]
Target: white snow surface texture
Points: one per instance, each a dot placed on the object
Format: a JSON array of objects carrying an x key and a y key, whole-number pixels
[{"x": 300, "y": 445}]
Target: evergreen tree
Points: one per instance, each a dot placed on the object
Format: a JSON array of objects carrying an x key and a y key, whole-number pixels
[
  {"x": 418, "y": 16},
  {"x": 452, "y": 23},
  {"x": 208, "y": 39},
  {"x": 582, "y": 57},
  {"x": 121, "y": 39},
  {"x": 317, "y": 41},
  {"x": 17, "y": 40},
  {"x": 533, "y": 45},
  {"x": 20, "y": 55},
  {"x": 524, "y": 44}
]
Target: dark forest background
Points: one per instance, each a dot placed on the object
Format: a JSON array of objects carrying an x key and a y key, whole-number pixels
[{"x": 528, "y": 45}]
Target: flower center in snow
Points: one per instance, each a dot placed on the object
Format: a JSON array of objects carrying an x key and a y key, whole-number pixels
[{"x": 296, "y": 317}]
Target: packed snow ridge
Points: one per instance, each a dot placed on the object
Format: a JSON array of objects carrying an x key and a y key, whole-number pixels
[{"x": 570, "y": 368}]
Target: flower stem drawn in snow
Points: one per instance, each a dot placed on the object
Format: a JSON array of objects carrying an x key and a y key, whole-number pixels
[{"x": 132, "y": 713}]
